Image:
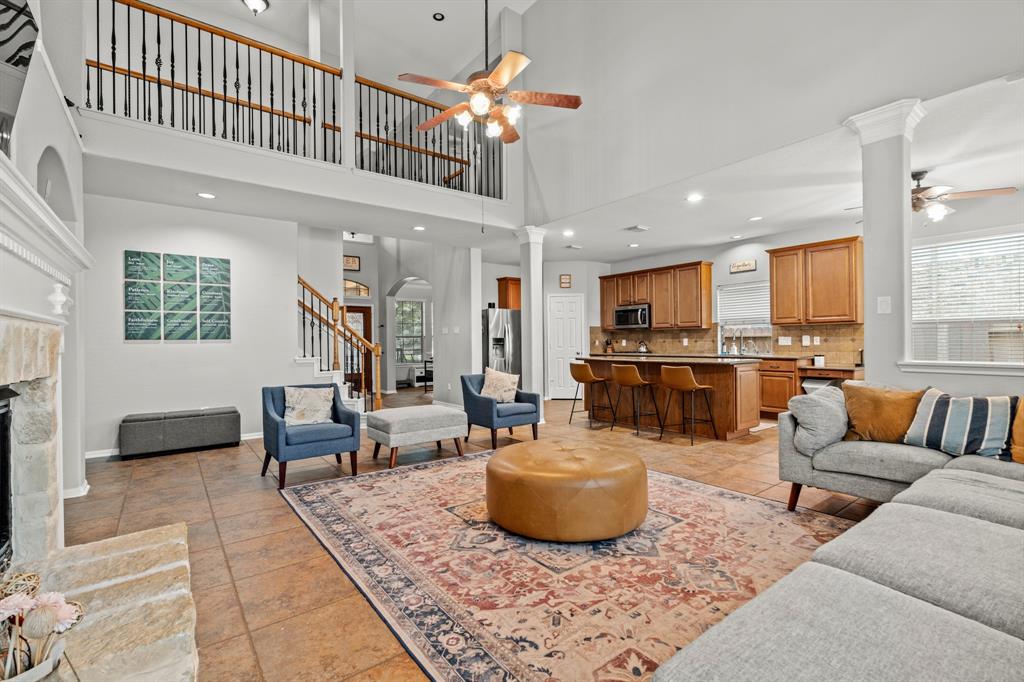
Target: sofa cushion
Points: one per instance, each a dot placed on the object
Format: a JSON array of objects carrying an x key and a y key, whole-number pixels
[
  {"x": 820, "y": 623},
  {"x": 963, "y": 426},
  {"x": 821, "y": 419},
  {"x": 911, "y": 549},
  {"x": 988, "y": 465},
  {"x": 983, "y": 496},
  {"x": 303, "y": 405},
  {"x": 890, "y": 461},
  {"x": 415, "y": 418},
  {"x": 879, "y": 414},
  {"x": 509, "y": 409},
  {"x": 315, "y": 433},
  {"x": 1017, "y": 433}
]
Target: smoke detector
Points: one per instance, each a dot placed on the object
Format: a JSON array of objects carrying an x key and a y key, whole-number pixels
[
  {"x": 575, "y": 247},
  {"x": 638, "y": 228}
]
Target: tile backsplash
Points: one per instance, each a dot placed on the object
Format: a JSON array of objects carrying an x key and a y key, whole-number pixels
[{"x": 839, "y": 343}]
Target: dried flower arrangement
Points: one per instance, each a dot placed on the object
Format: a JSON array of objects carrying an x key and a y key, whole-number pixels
[{"x": 33, "y": 625}]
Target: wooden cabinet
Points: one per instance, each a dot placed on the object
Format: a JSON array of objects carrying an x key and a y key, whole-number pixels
[
  {"x": 608, "y": 294},
  {"x": 818, "y": 283},
  {"x": 679, "y": 295},
  {"x": 779, "y": 382},
  {"x": 747, "y": 400},
  {"x": 663, "y": 299},
  {"x": 509, "y": 293}
]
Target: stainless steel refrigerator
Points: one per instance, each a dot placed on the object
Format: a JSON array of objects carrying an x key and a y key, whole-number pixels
[{"x": 502, "y": 338}]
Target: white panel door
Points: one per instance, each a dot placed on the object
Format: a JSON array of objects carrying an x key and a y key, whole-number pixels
[{"x": 565, "y": 329}]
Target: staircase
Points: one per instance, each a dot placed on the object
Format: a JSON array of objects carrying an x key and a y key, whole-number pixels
[{"x": 333, "y": 348}]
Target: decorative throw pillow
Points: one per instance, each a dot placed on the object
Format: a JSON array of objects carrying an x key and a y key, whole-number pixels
[
  {"x": 879, "y": 414},
  {"x": 307, "y": 405},
  {"x": 1017, "y": 433},
  {"x": 820, "y": 419},
  {"x": 963, "y": 426},
  {"x": 500, "y": 386}
]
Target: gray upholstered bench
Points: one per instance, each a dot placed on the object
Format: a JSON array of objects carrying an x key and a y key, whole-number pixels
[
  {"x": 152, "y": 432},
  {"x": 400, "y": 426}
]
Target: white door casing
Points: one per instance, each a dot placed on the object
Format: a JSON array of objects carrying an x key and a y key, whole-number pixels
[{"x": 566, "y": 327}]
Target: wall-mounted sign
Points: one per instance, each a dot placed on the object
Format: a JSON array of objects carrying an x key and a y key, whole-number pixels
[
  {"x": 214, "y": 299},
  {"x": 180, "y": 297},
  {"x": 352, "y": 263},
  {"x": 141, "y": 326},
  {"x": 565, "y": 281},
  {"x": 743, "y": 266},
  {"x": 179, "y": 268},
  {"x": 214, "y": 271},
  {"x": 214, "y": 327},
  {"x": 141, "y": 295},
  {"x": 142, "y": 265},
  {"x": 179, "y": 326}
]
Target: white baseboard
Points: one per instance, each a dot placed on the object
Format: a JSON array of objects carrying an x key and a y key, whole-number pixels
[
  {"x": 100, "y": 454},
  {"x": 252, "y": 436},
  {"x": 78, "y": 491}
]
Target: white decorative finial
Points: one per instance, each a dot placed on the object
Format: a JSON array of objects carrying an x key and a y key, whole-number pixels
[{"x": 59, "y": 299}]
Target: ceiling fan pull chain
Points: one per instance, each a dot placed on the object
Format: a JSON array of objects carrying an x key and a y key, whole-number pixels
[{"x": 487, "y": 42}]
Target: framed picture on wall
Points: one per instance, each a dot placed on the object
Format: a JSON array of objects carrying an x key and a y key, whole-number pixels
[
  {"x": 565, "y": 281},
  {"x": 352, "y": 263}
]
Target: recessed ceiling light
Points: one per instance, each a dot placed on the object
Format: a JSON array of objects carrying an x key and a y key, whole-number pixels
[
  {"x": 634, "y": 246},
  {"x": 438, "y": 16},
  {"x": 694, "y": 197},
  {"x": 756, "y": 218},
  {"x": 206, "y": 195},
  {"x": 567, "y": 233},
  {"x": 736, "y": 236},
  {"x": 418, "y": 228}
]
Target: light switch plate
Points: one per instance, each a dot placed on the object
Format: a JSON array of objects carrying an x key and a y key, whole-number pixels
[
  {"x": 623, "y": 342},
  {"x": 805, "y": 340},
  {"x": 885, "y": 305},
  {"x": 686, "y": 341},
  {"x": 817, "y": 340},
  {"x": 444, "y": 330},
  {"x": 455, "y": 330},
  {"x": 785, "y": 341}
]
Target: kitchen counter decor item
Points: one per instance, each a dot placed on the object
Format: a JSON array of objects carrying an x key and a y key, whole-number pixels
[{"x": 33, "y": 627}]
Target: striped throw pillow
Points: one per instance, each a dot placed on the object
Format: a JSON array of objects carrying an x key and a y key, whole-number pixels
[{"x": 963, "y": 426}]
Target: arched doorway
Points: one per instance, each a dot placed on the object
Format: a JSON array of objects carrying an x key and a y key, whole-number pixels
[{"x": 409, "y": 335}]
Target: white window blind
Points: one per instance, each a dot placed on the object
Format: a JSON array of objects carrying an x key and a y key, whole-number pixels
[
  {"x": 744, "y": 304},
  {"x": 967, "y": 300}
]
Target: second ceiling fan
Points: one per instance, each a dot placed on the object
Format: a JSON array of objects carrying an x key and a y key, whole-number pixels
[{"x": 487, "y": 90}]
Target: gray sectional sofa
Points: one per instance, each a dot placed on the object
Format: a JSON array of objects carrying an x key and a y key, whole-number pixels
[{"x": 929, "y": 588}]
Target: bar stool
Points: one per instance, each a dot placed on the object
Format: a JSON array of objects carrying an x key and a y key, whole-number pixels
[
  {"x": 681, "y": 379},
  {"x": 627, "y": 376},
  {"x": 583, "y": 374}
]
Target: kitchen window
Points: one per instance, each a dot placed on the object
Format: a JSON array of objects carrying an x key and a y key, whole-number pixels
[
  {"x": 744, "y": 318},
  {"x": 967, "y": 301},
  {"x": 409, "y": 331}
]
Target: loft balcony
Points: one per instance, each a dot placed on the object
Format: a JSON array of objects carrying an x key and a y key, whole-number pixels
[{"x": 151, "y": 65}]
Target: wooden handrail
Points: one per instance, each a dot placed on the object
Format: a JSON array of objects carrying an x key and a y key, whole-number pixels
[
  {"x": 451, "y": 176},
  {"x": 150, "y": 78},
  {"x": 230, "y": 35},
  {"x": 412, "y": 148},
  {"x": 356, "y": 336},
  {"x": 306, "y": 285},
  {"x": 402, "y": 93}
]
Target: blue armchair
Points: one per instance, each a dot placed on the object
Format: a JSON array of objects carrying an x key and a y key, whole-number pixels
[
  {"x": 300, "y": 441},
  {"x": 490, "y": 414}
]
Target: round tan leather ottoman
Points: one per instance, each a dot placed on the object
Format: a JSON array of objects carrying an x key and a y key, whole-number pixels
[{"x": 562, "y": 492}]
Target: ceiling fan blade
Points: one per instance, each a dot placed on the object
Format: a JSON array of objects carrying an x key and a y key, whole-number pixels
[
  {"x": 433, "y": 82},
  {"x": 978, "y": 193},
  {"x": 929, "y": 192},
  {"x": 509, "y": 134},
  {"x": 508, "y": 68},
  {"x": 443, "y": 116},
  {"x": 548, "y": 99}
]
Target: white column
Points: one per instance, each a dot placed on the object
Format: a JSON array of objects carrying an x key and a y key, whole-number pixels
[
  {"x": 885, "y": 136},
  {"x": 313, "y": 15},
  {"x": 348, "y": 82},
  {"x": 531, "y": 244}
]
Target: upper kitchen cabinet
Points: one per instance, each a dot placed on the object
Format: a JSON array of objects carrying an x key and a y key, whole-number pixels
[
  {"x": 509, "y": 293},
  {"x": 663, "y": 299},
  {"x": 608, "y": 302},
  {"x": 692, "y": 288},
  {"x": 624, "y": 290},
  {"x": 679, "y": 295},
  {"x": 820, "y": 283},
  {"x": 642, "y": 287}
]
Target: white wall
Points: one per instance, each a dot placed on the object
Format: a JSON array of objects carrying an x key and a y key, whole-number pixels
[
  {"x": 319, "y": 260},
  {"x": 123, "y": 378},
  {"x": 585, "y": 281},
  {"x": 489, "y": 274}
]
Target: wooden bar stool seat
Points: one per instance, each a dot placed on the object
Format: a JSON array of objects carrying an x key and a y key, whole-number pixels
[
  {"x": 681, "y": 380},
  {"x": 584, "y": 375},
  {"x": 628, "y": 377}
]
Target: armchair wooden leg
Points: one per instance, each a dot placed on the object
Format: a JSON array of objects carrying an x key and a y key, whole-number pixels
[
  {"x": 266, "y": 463},
  {"x": 337, "y": 457},
  {"x": 352, "y": 461},
  {"x": 376, "y": 450},
  {"x": 438, "y": 445},
  {"x": 494, "y": 439},
  {"x": 458, "y": 447},
  {"x": 394, "y": 458},
  {"x": 794, "y": 495},
  {"x": 468, "y": 429},
  {"x": 282, "y": 469},
  {"x": 510, "y": 430},
  {"x": 534, "y": 431}
]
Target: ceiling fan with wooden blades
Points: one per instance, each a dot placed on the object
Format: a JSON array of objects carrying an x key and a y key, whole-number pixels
[
  {"x": 487, "y": 91},
  {"x": 931, "y": 199}
]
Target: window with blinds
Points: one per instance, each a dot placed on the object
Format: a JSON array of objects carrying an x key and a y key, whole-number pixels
[
  {"x": 967, "y": 300},
  {"x": 744, "y": 304}
]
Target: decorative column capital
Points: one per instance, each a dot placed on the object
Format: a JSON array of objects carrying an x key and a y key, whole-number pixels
[
  {"x": 890, "y": 120},
  {"x": 532, "y": 235}
]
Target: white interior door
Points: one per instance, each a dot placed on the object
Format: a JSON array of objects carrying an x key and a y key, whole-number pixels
[{"x": 565, "y": 329}]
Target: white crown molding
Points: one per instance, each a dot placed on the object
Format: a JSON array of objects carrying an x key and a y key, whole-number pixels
[
  {"x": 890, "y": 120},
  {"x": 532, "y": 235},
  {"x": 7, "y": 243}
]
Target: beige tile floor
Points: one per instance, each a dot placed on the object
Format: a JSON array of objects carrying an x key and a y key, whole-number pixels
[{"x": 273, "y": 605}]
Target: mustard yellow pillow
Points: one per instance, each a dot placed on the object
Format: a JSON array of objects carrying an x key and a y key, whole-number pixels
[
  {"x": 879, "y": 414},
  {"x": 1017, "y": 433}
]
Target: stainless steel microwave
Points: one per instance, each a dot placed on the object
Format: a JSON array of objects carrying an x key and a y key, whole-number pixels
[{"x": 633, "y": 317}]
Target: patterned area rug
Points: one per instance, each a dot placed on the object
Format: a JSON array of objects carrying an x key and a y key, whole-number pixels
[{"x": 473, "y": 602}]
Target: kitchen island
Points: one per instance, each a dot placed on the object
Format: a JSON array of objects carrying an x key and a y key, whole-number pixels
[{"x": 735, "y": 398}]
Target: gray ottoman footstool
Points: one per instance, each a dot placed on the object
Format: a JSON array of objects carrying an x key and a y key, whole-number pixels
[{"x": 400, "y": 426}]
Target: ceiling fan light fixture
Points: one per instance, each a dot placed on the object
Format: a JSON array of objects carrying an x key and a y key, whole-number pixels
[
  {"x": 694, "y": 197},
  {"x": 493, "y": 129},
  {"x": 464, "y": 118},
  {"x": 257, "y": 6},
  {"x": 480, "y": 103},
  {"x": 513, "y": 112},
  {"x": 937, "y": 212}
]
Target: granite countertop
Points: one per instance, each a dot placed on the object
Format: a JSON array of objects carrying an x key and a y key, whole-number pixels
[
  {"x": 752, "y": 356},
  {"x": 682, "y": 359}
]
